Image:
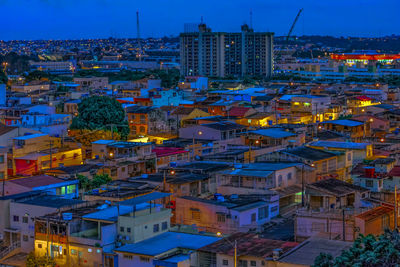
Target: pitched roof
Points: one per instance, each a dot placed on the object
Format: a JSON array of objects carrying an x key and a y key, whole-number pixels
[
  {"x": 273, "y": 133},
  {"x": 349, "y": 123},
  {"x": 167, "y": 151},
  {"x": 37, "y": 181},
  {"x": 139, "y": 109},
  {"x": 167, "y": 241},
  {"x": 5, "y": 129},
  {"x": 223, "y": 126},
  {"x": 375, "y": 213},
  {"x": 310, "y": 153},
  {"x": 238, "y": 111},
  {"x": 305, "y": 253},
  {"x": 337, "y": 144},
  {"x": 248, "y": 244},
  {"x": 335, "y": 187}
]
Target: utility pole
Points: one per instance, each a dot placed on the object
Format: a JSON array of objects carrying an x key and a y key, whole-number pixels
[
  {"x": 302, "y": 185},
  {"x": 235, "y": 260},
  {"x": 51, "y": 154},
  {"x": 395, "y": 207},
  {"x": 344, "y": 225}
]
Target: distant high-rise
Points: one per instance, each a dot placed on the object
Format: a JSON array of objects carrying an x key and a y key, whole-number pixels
[{"x": 222, "y": 54}]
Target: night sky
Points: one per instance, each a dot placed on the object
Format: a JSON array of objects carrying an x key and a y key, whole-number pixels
[{"x": 75, "y": 19}]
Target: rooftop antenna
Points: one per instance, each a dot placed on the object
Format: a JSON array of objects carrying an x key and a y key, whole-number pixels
[
  {"x": 138, "y": 36},
  {"x": 251, "y": 18}
]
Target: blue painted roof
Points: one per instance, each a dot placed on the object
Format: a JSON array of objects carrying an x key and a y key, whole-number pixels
[
  {"x": 350, "y": 123},
  {"x": 103, "y": 142},
  {"x": 164, "y": 242},
  {"x": 245, "y": 172},
  {"x": 174, "y": 259},
  {"x": 144, "y": 198},
  {"x": 29, "y": 136},
  {"x": 289, "y": 97},
  {"x": 337, "y": 144},
  {"x": 111, "y": 213},
  {"x": 273, "y": 133}
]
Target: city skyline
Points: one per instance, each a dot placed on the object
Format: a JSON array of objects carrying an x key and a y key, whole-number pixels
[{"x": 48, "y": 19}]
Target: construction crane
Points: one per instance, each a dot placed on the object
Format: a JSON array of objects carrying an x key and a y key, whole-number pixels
[
  {"x": 290, "y": 32},
  {"x": 138, "y": 36},
  {"x": 294, "y": 23}
]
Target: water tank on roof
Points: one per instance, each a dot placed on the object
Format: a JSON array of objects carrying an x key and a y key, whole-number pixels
[
  {"x": 145, "y": 175},
  {"x": 67, "y": 216},
  {"x": 95, "y": 191},
  {"x": 173, "y": 164},
  {"x": 220, "y": 199},
  {"x": 234, "y": 196},
  {"x": 217, "y": 195}
]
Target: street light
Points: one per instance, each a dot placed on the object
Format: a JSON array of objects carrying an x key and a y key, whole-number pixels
[
  {"x": 172, "y": 172},
  {"x": 234, "y": 245},
  {"x": 199, "y": 133}
]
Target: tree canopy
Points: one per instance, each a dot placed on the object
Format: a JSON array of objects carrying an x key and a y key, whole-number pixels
[
  {"x": 98, "y": 180},
  {"x": 367, "y": 251},
  {"x": 100, "y": 113}
]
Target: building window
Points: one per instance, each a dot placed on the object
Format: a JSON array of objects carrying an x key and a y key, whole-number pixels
[
  {"x": 242, "y": 263},
  {"x": 71, "y": 189},
  {"x": 121, "y": 229},
  {"x": 73, "y": 252},
  {"x": 221, "y": 217},
  {"x": 369, "y": 183},
  {"x": 39, "y": 245},
  {"x": 128, "y": 229},
  {"x": 156, "y": 228},
  {"x": 25, "y": 219},
  {"x": 1, "y": 158},
  {"x": 129, "y": 257},
  {"x": 16, "y": 218},
  {"x": 164, "y": 226},
  {"x": 253, "y": 263},
  {"x": 385, "y": 222},
  {"x": 289, "y": 176},
  {"x": 262, "y": 213},
  {"x": 196, "y": 215},
  {"x": 225, "y": 262},
  {"x": 144, "y": 259},
  {"x": 280, "y": 180},
  {"x": 25, "y": 238}
]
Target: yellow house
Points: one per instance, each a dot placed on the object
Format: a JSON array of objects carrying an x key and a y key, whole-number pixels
[
  {"x": 195, "y": 113},
  {"x": 259, "y": 119}
]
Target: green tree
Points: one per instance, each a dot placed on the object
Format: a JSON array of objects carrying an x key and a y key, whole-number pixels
[
  {"x": 98, "y": 180},
  {"x": 101, "y": 112},
  {"x": 39, "y": 261},
  {"x": 367, "y": 251},
  {"x": 3, "y": 77}
]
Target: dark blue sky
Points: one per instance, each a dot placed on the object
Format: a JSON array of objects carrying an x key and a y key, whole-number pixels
[{"x": 74, "y": 19}]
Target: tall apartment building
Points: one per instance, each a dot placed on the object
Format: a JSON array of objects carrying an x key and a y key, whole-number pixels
[{"x": 222, "y": 54}]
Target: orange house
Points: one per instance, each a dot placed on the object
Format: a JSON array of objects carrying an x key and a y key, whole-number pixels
[{"x": 138, "y": 119}]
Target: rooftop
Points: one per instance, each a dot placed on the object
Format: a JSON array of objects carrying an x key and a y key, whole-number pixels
[
  {"x": 38, "y": 181},
  {"x": 306, "y": 252},
  {"x": 338, "y": 144},
  {"x": 335, "y": 187},
  {"x": 349, "y": 123},
  {"x": 310, "y": 153},
  {"x": 374, "y": 213},
  {"x": 248, "y": 244},
  {"x": 50, "y": 201},
  {"x": 29, "y": 136},
  {"x": 167, "y": 151},
  {"x": 223, "y": 126},
  {"x": 167, "y": 241},
  {"x": 275, "y": 133}
]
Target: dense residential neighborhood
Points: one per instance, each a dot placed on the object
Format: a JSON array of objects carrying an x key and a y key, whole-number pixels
[{"x": 209, "y": 149}]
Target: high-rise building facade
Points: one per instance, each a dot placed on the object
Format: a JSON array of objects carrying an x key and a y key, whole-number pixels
[{"x": 222, "y": 54}]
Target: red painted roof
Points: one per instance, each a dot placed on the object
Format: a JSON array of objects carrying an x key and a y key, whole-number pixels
[
  {"x": 395, "y": 171},
  {"x": 363, "y": 98},
  {"x": 167, "y": 151},
  {"x": 36, "y": 181},
  {"x": 238, "y": 111}
]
